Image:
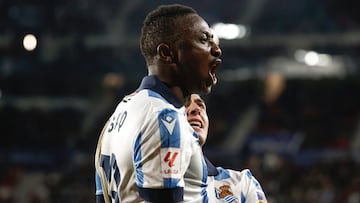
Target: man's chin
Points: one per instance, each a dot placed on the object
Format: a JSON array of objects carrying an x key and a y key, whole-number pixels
[{"x": 207, "y": 90}]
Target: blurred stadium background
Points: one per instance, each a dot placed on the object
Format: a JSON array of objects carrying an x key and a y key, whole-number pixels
[{"x": 286, "y": 105}]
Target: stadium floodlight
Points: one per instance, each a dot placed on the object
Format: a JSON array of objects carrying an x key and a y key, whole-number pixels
[
  {"x": 29, "y": 42},
  {"x": 230, "y": 31}
]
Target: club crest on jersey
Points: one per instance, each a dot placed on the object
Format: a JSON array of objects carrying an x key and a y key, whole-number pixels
[
  {"x": 170, "y": 163},
  {"x": 224, "y": 193}
]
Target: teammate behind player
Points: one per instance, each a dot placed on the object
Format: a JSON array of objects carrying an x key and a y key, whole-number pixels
[
  {"x": 147, "y": 151},
  {"x": 224, "y": 185}
]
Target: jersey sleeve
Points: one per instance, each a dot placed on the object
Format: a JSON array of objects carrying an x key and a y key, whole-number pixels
[
  {"x": 99, "y": 191},
  {"x": 251, "y": 190},
  {"x": 236, "y": 186},
  {"x": 161, "y": 156},
  {"x": 100, "y": 187}
]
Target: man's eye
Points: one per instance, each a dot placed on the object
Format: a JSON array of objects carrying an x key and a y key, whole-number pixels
[{"x": 204, "y": 38}]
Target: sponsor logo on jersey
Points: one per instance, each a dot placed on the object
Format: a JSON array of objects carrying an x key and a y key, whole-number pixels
[
  {"x": 170, "y": 163},
  {"x": 169, "y": 123},
  {"x": 170, "y": 158}
]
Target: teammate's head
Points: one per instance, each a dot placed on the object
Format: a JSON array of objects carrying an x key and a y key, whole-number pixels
[
  {"x": 197, "y": 116},
  {"x": 179, "y": 48}
]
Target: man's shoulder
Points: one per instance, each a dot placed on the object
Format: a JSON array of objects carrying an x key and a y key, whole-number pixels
[
  {"x": 146, "y": 96},
  {"x": 148, "y": 102},
  {"x": 224, "y": 174}
]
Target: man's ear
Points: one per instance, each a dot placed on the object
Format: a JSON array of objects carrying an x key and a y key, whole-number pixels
[{"x": 165, "y": 53}]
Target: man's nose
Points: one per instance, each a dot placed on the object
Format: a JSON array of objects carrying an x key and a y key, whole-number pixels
[
  {"x": 194, "y": 109},
  {"x": 216, "y": 50},
  {"x": 194, "y": 112}
]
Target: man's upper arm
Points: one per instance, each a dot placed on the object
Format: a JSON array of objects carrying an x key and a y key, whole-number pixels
[{"x": 158, "y": 160}]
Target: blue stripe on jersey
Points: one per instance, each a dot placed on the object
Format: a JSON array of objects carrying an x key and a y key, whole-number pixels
[
  {"x": 171, "y": 182},
  {"x": 197, "y": 137},
  {"x": 99, "y": 190},
  {"x": 229, "y": 199},
  {"x": 116, "y": 197},
  {"x": 256, "y": 183},
  {"x": 204, "y": 182},
  {"x": 137, "y": 161},
  {"x": 222, "y": 174},
  {"x": 248, "y": 173},
  {"x": 251, "y": 177},
  {"x": 100, "y": 199},
  {"x": 104, "y": 163},
  {"x": 169, "y": 128},
  {"x": 243, "y": 198},
  {"x": 116, "y": 169},
  {"x": 156, "y": 95},
  {"x": 205, "y": 198}
]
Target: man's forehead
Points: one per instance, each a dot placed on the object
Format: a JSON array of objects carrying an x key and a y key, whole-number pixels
[
  {"x": 194, "y": 22},
  {"x": 197, "y": 98}
]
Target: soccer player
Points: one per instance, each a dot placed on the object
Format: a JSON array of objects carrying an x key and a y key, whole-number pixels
[
  {"x": 147, "y": 151},
  {"x": 224, "y": 185}
]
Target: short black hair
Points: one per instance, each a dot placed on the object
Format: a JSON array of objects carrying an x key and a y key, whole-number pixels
[{"x": 160, "y": 26}]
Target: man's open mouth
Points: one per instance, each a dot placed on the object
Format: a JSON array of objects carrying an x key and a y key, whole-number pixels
[{"x": 212, "y": 70}]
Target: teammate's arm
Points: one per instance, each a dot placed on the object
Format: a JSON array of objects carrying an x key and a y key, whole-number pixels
[{"x": 254, "y": 191}]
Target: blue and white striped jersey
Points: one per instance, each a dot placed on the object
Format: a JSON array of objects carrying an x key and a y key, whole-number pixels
[
  {"x": 148, "y": 151},
  {"x": 231, "y": 186}
]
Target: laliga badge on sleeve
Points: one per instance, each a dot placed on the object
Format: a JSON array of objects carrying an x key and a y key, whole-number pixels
[{"x": 170, "y": 163}]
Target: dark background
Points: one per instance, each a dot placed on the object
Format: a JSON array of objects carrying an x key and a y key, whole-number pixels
[{"x": 302, "y": 144}]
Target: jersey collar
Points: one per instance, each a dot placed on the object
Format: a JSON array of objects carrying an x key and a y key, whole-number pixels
[
  {"x": 211, "y": 168},
  {"x": 153, "y": 83}
]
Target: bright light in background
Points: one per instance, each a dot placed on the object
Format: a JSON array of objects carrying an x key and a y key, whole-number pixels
[
  {"x": 312, "y": 58},
  {"x": 300, "y": 55},
  {"x": 229, "y": 31},
  {"x": 325, "y": 59},
  {"x": 29, "y": 42}
]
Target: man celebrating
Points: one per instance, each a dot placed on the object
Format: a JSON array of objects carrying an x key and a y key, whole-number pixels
[
  {"x": 147, "y": 151},
  {"x": 224, "y": 185}
]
